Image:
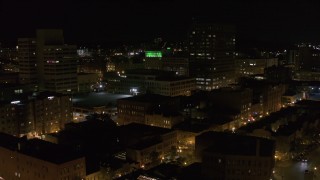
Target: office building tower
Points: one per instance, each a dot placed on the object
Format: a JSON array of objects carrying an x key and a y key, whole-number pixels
[
  {"x": 309, "y": 58},
  {"x": 47, "y": 62},
  {"x": 57, "y": 62},
  {"x": 153, "y": 60},
  {"x": 27, "y": 61},
  {"x": 211, "y": 55}
]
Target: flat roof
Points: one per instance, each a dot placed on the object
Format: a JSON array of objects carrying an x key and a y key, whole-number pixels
[
  {"x": 235, "y": 144},
  {"x": 191, "y": 127},
  {"x": 26, "y": 97},
  {"x": 143, "y": 130},
  {"x": 173, "y": 78},
  {"x": 145, "y": 143},
  {"x": 154, "y": 98},
  {"x": 38, "y": 149}
]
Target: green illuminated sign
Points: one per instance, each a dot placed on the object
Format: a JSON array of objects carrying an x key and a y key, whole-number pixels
[{"x": 153, "y": 54}]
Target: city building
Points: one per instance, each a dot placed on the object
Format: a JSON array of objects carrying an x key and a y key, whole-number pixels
[
  {"x": 38, "y": 160},
  {"x": 267, "y": 96},
  {"x": 147, "y": 145},
  {"x": 10, "y": 91},
  {"x": 92, "y": 65},
  {"x": 48, "y": 62},
  {"x": 96, "y": 139},
  {"x": 60, "y": 68},
  {"x": 237, "y": 99},
  {"x": 9, "y": 78},
  {"x": 290, "y": 98},
  {"x": 139, "y": 109},
  {"x": 211, "y": 55},
  {"x": 290, "y": 128},
  {"x": 176, "y": 64},
  {"x": 293, "y": 58},
  {"x": 153, "y": 60},
  {"x": 222, "y": 158},
  {"x": 141, "y": 81},
  {"x": 86, "y": 81},
  {"x": 35, "y": 114},
  {"x": 27, "y": 61},
  {"x": 246, "y": 67},
  {"x": 309, "y": 58},
  {"x": 303, "y": 75},
  {"x": 163, "y": 117},
  {"x": 278, "y": 74}
]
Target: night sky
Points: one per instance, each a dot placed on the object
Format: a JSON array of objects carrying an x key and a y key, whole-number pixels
[{"x": 259, "y": 23}]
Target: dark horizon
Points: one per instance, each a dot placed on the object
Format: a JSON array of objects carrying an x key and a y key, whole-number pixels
[{"x": 258, "y": 24}]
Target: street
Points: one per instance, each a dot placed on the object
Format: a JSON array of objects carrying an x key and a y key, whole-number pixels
[{"x": 291, "y": 170}]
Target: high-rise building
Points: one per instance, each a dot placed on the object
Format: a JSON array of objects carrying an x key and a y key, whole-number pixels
[
  {"x": 27, "y": 61},
  {"x": 57, "y": 62},
  {"x": 141, "y": 81},
  {"x": 211, "y": 55},
  {"x": 48, "y": 62},
  {"x": 60, "y": 68},
  {"x": 308, "y": 58}
]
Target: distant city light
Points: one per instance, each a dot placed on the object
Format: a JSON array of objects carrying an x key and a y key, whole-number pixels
[
  {"x": 118, "y": 54},
  {"x": 52, "y": 62},
  {"x": 15, "y": 102},
  {"x": 153, "y": 54}
]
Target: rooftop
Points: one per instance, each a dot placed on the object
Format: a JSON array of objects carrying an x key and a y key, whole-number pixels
[
  {"x": 145, "y": 143},
  {"x": 154, "y": 98},
  {"x": 39, "y": 149},
  {"x": 26, "y": 97},
  {"x": 191, "y": 127},
  {"x": 151, "y": 72},
  {"x": 173, "y": 78},
  {"x": 142, "y": 130},
  {"x": 229, "y": 143}
]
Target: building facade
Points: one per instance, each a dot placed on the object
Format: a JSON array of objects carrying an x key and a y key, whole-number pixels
[
  {"x": 222, "y": 158},
  {"x": 135, "y": 109},
  {"x": 163, "y": 120},
  {"x": 47, "y": 62},
  {"x": 178, "y": 65},
  {"x": 27, "y": 61},
  {"x": 38, "y": 160},
  {"x": 157, "y": 82},
  {"x": 60, "y": 68},
  {"x": 237, "y": 99},
  {"x": 36, "y": 114},
  {"x": 309, "y": 58},
  {"x": 246, "y": 67},
  {"x": 211, "y": 55}
]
